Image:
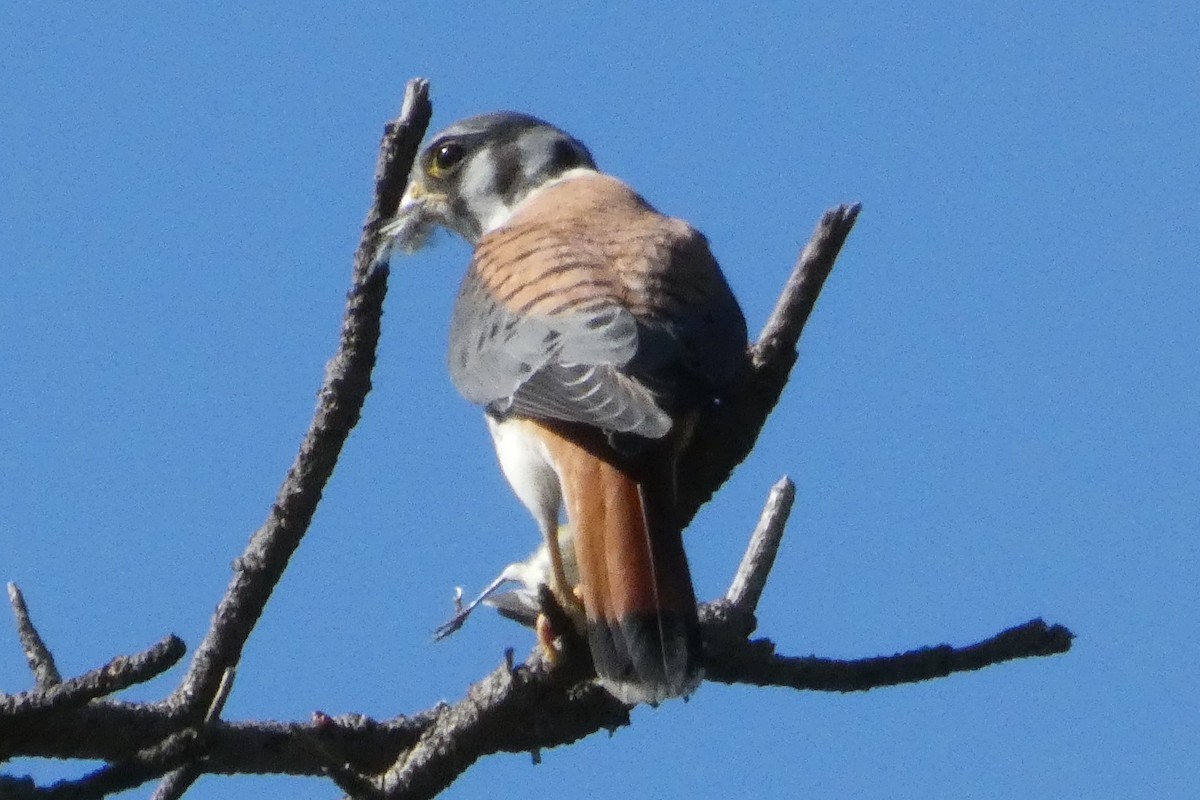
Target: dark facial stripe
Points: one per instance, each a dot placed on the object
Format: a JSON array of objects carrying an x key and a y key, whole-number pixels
[{"x": 507, "y": 181}]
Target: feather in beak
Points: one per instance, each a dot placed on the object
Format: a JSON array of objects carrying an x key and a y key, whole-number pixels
[{"x": 416, "y": 218}]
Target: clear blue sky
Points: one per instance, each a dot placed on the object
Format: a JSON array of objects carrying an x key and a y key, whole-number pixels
[{"x": 994, "y": 416}]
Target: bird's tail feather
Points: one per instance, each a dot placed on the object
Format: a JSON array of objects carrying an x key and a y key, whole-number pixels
[{"x": 637, "y": 590}]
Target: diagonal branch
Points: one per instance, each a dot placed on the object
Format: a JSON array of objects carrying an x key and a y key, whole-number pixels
[
  {"x": 120, "y": 673},
  {"x": 176, "y": 783},
  {"x": 728, "y": 433},
  {"x": 779, "y": 337},
  {"x": 341, "y": 398},
  {"x": 751, "y": 578},
  {"x": 37, "y": 654}
]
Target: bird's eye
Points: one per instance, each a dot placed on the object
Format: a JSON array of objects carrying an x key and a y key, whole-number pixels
[{"x": 447, "y": 156}]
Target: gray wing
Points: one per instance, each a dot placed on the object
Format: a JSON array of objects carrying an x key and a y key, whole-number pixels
[{"x": 566, "y": 367}]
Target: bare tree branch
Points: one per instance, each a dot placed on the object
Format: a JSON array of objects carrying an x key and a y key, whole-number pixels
[
  {"x": 347, "y": 382},
  {"x": 778, "y": 338},
  {"x": 40, "y": 659},
  {"x": 120, "y": 673},
  {"x": 515, "y": 709},
  {"x": 176, "y": 783},
  {"x": 728, "y": 433},
  {"x": 528, "y": 707},
  {"x": 751, "y": 578},
  {"x": 259, "y": 569},
  {"x": 518, "y": 707},
  {"x": 757, "y": 664},
  {"x": 179, "y": 748},
  {"x": 111, "y": 731},
  {"x": 533, "y": 706}
]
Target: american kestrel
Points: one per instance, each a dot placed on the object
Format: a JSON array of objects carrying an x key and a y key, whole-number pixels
[{"x": 593, "y": 330}]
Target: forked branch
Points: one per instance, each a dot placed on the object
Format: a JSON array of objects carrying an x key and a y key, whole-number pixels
[{"x": 518, "y": 707}]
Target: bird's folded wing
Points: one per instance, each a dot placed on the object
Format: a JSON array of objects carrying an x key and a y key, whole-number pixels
[{"x": 565, "y": 367}]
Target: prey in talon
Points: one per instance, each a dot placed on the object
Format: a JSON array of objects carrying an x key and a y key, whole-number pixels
[{"x": 519, "y": 603}]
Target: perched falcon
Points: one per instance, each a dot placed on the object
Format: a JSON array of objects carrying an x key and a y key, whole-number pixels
[{"x": 593, "y": 330}]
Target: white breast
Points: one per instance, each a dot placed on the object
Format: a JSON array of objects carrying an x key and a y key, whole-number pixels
[{"x": 527, "y": 466}]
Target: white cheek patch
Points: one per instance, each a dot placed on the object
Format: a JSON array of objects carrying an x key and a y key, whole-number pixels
[
  {"x": 478, "y": 190},
  {"x": 500, "y": 213}
]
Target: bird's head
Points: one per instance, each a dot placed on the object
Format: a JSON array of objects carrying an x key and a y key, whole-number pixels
[{"x": 473, "y": 174}]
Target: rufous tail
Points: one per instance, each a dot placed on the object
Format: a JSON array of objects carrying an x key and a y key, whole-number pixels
[{"x": 637, "y": 590}]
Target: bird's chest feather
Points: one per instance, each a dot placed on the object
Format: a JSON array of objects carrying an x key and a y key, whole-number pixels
[{"x": 528, "y": 466}]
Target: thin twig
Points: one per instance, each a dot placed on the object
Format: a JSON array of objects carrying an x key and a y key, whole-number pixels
[
  {"x": 780, "y": 335},
  {"x": 751, "y": 578},
  {"x": 729, "y": 432},
  {"x": 176, "y": 783},
  {"x": 178, "y": 748},
  {"x": 222, "y": 694},
  {"x": 37, "y": 654},
  {"x": 120, "y": 673},
  {"x": 354, "y": 783}
]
